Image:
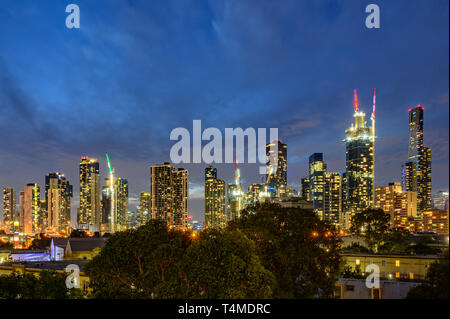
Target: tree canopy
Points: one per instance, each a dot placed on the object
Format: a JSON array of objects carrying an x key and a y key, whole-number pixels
[
  {"x": 436, "y": 285},
  {"x": 296, "y": 246}
]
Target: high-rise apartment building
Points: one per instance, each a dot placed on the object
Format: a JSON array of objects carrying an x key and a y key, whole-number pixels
[
  {"x": 180, "y": 197},
  {"x": 358, "y": 188},
  {"x": 89, "y": 213},
  {"x": 324, "y": 190},
  {"x": 32, "y": 219},
  {"x": 115, "y": 207},
  {"x": 440, "y": 200},
  {"x": 305, "y": 193},
  {"x": 400, "y": 205},
  {"x": 215, "y": 194},
  {"x": 9, "y": 206},
  {"x": 277, "y": 172},
  {"x": 169, "y": 193},
  {"x": 58, "y": 194},
  {"x": 145, "y": 207}
]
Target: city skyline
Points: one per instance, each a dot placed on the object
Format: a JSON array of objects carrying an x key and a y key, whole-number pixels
[{"x": 293, "y": 79}]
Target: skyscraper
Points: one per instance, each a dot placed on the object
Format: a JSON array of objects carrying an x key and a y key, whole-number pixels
[
  {"x": 324, "y": 190},
  {"x": 416, "y": 173},
  {"x": 332, "y": 199},
  {"x": 22, "y": 211},
  {"x": 180, "y": 197},
  {"x": 58, "y": 194},
  {"x": 122, "y": 203},
  {"x": 169, "y": 194},
  {"x": 89, "y": 214},
  {"x": 210, "y": 172},
  {"x": 317, "y": 169},
  {"x": 106, "y": 207},
  {"x": 360, "y": 164},
  {"x": 277, "y": 173},
  {"x": 115, "y": 207},
  {"x": 144, "y": 207},
  {"x": 32, "y": 221},
  {"x": 215, "y": 206},
  {"x": 306, "y": 195},
  {"x": 9, "y": 206}
]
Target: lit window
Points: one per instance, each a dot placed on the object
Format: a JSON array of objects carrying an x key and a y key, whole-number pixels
[
  {"x": 358, "y": 262},
  {"x": 397, "y": 275},
  {"x": 397, "y": 263},
  {"x": 411, "y": 275}
]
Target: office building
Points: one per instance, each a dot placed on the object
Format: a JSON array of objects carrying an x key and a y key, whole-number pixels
[{"x": 144, "y": 207}]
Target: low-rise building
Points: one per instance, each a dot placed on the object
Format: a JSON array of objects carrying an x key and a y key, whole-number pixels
[
  {"x": 392, "y": 266},
  {"x": 36, "y": 267},
  {"x": 75, "y": 248}
]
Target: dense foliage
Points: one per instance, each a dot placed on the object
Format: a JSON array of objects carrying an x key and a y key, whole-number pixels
[
  {"x": 300, "y": 250},
  {"x": 436, "y": 285},
  {"x": 49, "y": 285}
]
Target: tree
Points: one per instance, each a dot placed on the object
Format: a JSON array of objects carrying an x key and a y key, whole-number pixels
[
  {"x": 296, "y": 246},
  {"x": 348, "y": 272},
  {"x": 372, "y": 224},
  {"x": 48, "y": 285},
  {"x": 6, "y": 246},
  {"x": 77, "y": 233},
  {"x": 436, "y": 285},
  {"x": 223, "y": 264},
  {"x": 397, "y": 240},
  {"x": 139, "y": 263},
  {"x": 40, "y": 243}
]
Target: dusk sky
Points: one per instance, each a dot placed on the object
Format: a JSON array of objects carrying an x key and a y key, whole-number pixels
[{"x": 135, "y": 70}]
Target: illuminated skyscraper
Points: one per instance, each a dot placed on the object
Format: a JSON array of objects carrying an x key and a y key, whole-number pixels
[
  {"x": 32, "y": 221},
  {"x": 9, "y": 206},
  {"x": 122, "y": 203},
  {"x": 115, "y": 208},
  {"x": 360, "y": 162},
  {"x": 169, "y": 194},
  {"x": 22, "y": 211},
  {"x": 89, "y": 214},
  {"x": 210, "y": 172},
  {"x": 317, "y": 169},
  {"x": 215, "y": 207},
  {"x": 440, "y": 200},
  {"x": 324, "y": 190},
  {"x": 306, "y": 192},
  {"x": 180, "y": 197},
  {"x": 332, "y": 199},
  {"x": 58, "y": 194},
  {"x": 106, "y": 207},
  {"x": 277, "y": 173},
  {"x": 144, "y": 207},
  {"x": 416, "y": 173},
  {"x": 257, "y": 193}
]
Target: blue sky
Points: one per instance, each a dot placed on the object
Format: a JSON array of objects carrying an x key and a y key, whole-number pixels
[{"x": 135, "y": 70}]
